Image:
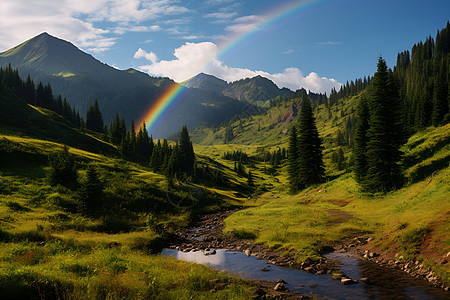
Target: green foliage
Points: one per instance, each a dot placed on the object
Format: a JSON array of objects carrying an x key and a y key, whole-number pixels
[
  {"x": 415, "y": 236},
  {"x": 310, "y": 167},
  {"x": 361, "y": 140},
  {"x": 16, "y": 206},
  {"x": 385, "y": 134},
  {"x": 293, "y": 161},
  {"x": 62, "y": 169},
  {"x": 94, "y": 119},
  {"x": 186, "y": 156},
  {"x": 424, "y": 81},
  {"x": 91, "y": 192},
  {"x": 250, "y": 178},
  {"x": 242, "y": 234}
]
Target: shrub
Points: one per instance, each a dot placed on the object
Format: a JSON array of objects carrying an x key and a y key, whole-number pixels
[
  {"x": 242, "y": 234},
  {"x": 62, "y": 169},
  {"x": 91, "y": 192},
  {"x": 415, "y": 236},
  {"x": 16, "y": 206}
]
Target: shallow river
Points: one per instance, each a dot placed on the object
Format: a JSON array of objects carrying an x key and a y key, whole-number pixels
[{"x": 384, "y": 283}]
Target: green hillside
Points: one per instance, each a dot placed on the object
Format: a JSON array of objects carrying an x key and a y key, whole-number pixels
[
  {"x": 49, "y": 246},
  {"x": 81, "y": 79},
  {"x": 256, "y": 90},
  {"x": 21, "y": 119}
]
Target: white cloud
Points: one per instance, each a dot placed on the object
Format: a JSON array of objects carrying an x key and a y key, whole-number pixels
[
  {"x": 288, "y": 51},
  {"x": 78, "y": 20},
  {"x": 178, "y": 21},
  {"x": 148, "y": 56},
  {"x": 192, "y": 58},
  {"x": 123, "y": 29},
  {"x": 245, "y": 24},
  {"x": 221, "y": 15},
  {"x": 217, "y": 2}
]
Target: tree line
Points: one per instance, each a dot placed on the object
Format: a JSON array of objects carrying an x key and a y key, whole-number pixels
[
  {"x": 424, "y": 81},
  {"x": 40, "y": 96},
  {"x": 133, "y": 146}
]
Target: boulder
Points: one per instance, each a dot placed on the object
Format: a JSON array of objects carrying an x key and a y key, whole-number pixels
[
  {"x": 347, "y": 281},
  {"x": 364, "y": 279},
  {"x": 248, "y": 252},
  {"x": 280, "y": 287}
]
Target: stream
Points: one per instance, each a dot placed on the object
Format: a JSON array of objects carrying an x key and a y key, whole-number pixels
[{"x": 382, "y": 282}]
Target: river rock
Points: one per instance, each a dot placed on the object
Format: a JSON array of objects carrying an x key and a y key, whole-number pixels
[
  {"x": 211, "y": 252},
  {"x": 365, "y": 280},
  {"x": 281, "y": 281},
  {"x": 347, "y": 281},
  {"x": 264, "y": 269},
  {"x": 259, "y": 293},
  {"x": 248, "y": 252},
  {"x": 280, "y": 287}
]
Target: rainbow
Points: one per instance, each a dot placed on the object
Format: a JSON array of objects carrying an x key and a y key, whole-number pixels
[{"x": 174, "y": 92}]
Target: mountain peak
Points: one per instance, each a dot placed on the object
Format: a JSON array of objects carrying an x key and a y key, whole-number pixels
[
  {"x": 206, "y": 81},
  {"x": 53, "y": 54}
]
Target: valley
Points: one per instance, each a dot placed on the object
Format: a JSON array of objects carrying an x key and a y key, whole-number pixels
[{"x": 139, "y": 187}]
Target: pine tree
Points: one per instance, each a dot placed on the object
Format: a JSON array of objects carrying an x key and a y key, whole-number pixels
[
  {"x": 385, "y": 133},
  {"x": 292, "y": 161},
  {"x": 341, "y": 162},
  {"x": 62, "y": 169},
  {"x": 155, "y": 161},
  {"x": 94, "y": 119},
  {"x": 310, "y": 167},
  {"x": 186, "y": 155},
  {"x": 91, "y": 192},
  {"x": 249, "y": 178},
  {"x": 359, "y": 151},
  {"x": 173, "y": 162},
  {"x": 440, "y": 97},
  {"x": 114, "y": 131}
]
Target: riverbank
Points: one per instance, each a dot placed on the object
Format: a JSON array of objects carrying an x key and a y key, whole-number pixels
[{"x": 205, "y": 235}]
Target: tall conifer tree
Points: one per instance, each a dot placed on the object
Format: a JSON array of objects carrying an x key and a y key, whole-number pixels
[
  {"x": 385, "y": 133},
  {"x": 186, "y": 152},
  {"x": 292, "y": 160},
  {"x": 359, "y": 151},
  {"x": 310, "y": 161}
]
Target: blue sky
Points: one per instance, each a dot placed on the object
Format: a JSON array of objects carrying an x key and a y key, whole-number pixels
[{"x": 319, "y": 47}]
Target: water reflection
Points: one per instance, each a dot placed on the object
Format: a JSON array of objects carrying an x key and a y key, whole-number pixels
[
  {"x": 383, "y": 285},
  {"x": 215, "y": 260}
]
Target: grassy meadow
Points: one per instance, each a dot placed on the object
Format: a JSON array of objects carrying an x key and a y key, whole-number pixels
[
  {"x": 412, "y": 221},
  {"x": 52, "y": 250}
]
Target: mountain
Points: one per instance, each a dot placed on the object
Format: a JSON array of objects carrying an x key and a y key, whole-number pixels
[
  {"x": 206, "y": 82},
  {"x": 256, "y": 90},
  {"x": 81, "y": 78}
]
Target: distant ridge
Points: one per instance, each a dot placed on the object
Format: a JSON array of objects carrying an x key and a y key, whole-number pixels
[
  {"x": 255, "y": 90},
  {"x": 81, "y": 78}
]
